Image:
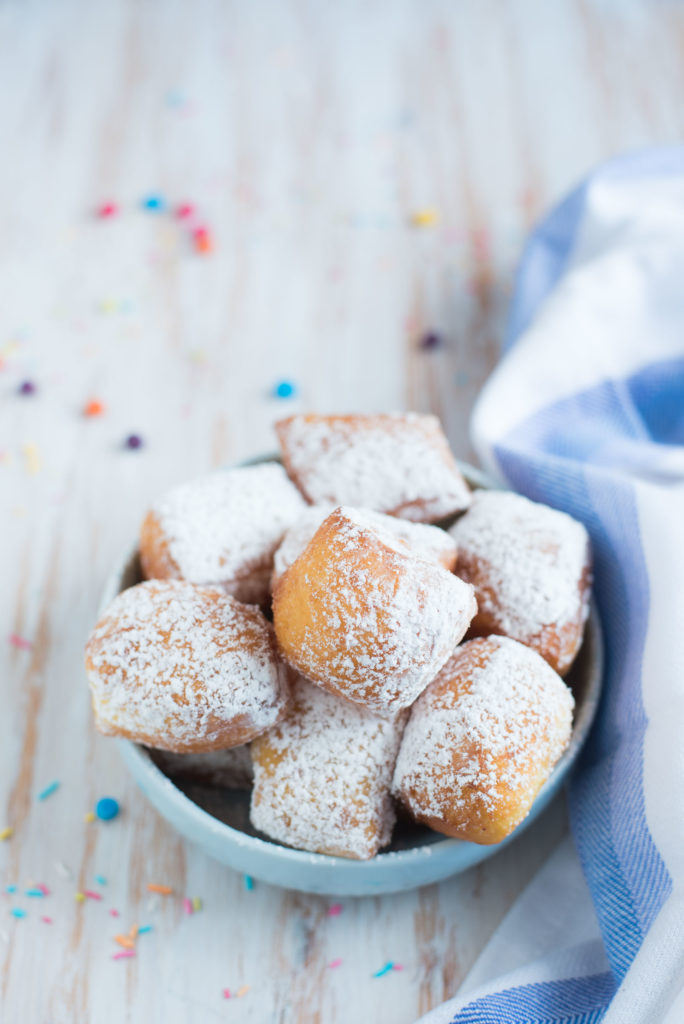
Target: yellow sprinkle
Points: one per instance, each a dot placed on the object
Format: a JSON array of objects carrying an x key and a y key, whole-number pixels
[
  {"x": 109, "y": 306},
  {"x": 79, "y": 897},
  {"x": 198, "y": 356},
  {"x": 426, "y": 218},
  {"x": 89, "y": 816},
  {"x": 32, "y": 456},
  {"x": 6, "y": 833},
  {"x": 242, "y": 991},
  {"x": 196, "y": 903}
]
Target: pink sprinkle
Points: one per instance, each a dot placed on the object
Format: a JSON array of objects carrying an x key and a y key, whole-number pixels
[
  {"x": 44, "y": 889},
  {"x": 226, "y": 993},
  {"x": 108, "y": 210},
  {"x": 92, "y": 895},
  {"x": 335, "y": 910},
  {"x": 185, "y": 210},
  {"x": 18, "y": 641},
  {"x": 114, "y": 913},
  {"x": 123, "y": 954},
  {"x": 187, "y": 905},
  {"x": 47, "y": 920},
  {"x": 397, "y": 967},
  {"x": 335, "y": 963}
]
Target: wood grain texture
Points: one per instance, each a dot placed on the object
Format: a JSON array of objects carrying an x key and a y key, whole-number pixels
[{"x": 307, "y": 134}]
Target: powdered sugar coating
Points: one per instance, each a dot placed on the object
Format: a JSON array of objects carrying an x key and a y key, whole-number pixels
[
  {"x": 322, "y": 776},
  {"x": 482, "y": 739},
  {"x": 530, "y": 566},
  {"x": 396, "y": 463},
  {"x": 366, "y": 619},
  {"x": 428, "y": 542},
  {"x": 184, "y": 668},
  {"x": 222, "y": 529}
]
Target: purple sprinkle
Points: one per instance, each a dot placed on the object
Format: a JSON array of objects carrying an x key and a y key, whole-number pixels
[
  {"x": 430, "y": 340},
  {"x": 134, "y": 441},
  {"x": 27, "y": 387}
]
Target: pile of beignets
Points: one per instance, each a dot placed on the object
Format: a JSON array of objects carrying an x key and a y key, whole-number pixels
[{"x": 314, "y": 610}]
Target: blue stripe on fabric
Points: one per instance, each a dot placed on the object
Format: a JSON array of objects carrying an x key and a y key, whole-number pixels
[
  {"x": 657, "y": 391},
  {"x": 542, "y": 459},
  {"x": 571, "y": 1001},
  {"x": 550, "y": 245}
]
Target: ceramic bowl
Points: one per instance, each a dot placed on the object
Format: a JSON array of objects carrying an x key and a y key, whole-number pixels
[{"x": 217, "y": 820}]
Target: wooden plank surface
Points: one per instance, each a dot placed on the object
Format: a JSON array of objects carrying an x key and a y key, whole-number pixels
[{"x": 307, "y": 134}]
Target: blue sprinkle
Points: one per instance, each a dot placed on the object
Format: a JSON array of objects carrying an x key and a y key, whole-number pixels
[
  {"x": 384, "y": 970},
  {"x": 48, "y": 791},
  {"x": 100, "y": 879},
  {"x": 157, "y": 204},
  {"x": 145, "y": 928},
  {"x": 10, "y": 888},
  {"x": 285, "y": 389},
  {"x": 249, "y": 883},
  {"x": 34, "y": 892},
  {"x": 17, "y": 912},
  {"x": 106, "y": 808}
]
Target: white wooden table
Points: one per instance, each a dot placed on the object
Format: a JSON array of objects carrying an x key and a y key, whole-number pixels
[{"x": 308, "y": 135}]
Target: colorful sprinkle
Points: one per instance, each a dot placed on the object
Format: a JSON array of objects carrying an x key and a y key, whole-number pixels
[
  {"x": 226, "y": 993},
  {"x": 384, "y": 970},
  {"x": 100, "y": 879},
  {"x": 335, "y": 910},
  {"x": 165, "y": 890},
  {"x": 46, "y": 920},
  {"x": 107, "y": 210},
  {"x": 106, "y": 808},
  {"x": 196, "y": 903},
  {"x": 34, "y": 892},
  {"x": 335, "y": 963},
  {"x": 6, "y": 833},
  {"x": 89, "y": 894},
  {"x": 285, "y": 389},
  {"x": 187, "y": 905},
  {"x": 93, "y": 408},
  {"x": 133, "y": 441},
  {"x": 249, "y": 883},
  {"x": 27, "y": 387},
  {"x": 145, "y": 929},
  {"x": 203, "y": 240},
  {"x": 123, "y": 954},
  {"x": 31, "y": 454},
  {"x": 109, "y": 305},
  {"x": 157, "y": 204},
  {"x": 17, "y": 912},
  {"x": 426, "y": 218},
  {"x": 430, "y": 340},
  {"x": 79, "y": 897},
  {"x": 114, "y": 913},
  {"x": 242, "y": 991},
  {"x": 397, "y": 967},
  {"x": 125, "y": 940},
  {"x": 89, "y": 817},
  {"x": 10, "y": 888},
  {"x": 185, "y": 211},
  {"x": 43, "y": 888},
  {"x": 48, "y": 791},
  {"x": 20, "y": 642}
]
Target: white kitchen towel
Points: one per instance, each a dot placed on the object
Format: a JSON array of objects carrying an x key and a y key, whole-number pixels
[{"x": 586, "y": 413}]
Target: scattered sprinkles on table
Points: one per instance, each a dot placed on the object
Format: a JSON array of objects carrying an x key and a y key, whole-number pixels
[
  {"x": 133, "y": 442},
  {"x": 164, "y": 890},
  {"x": 108, "y": 209},
  {"x": 154, "y": 203},
  {"x": 49, "y": 790},
  {"x": 20, "y": 642},
  {"x": 17, "y": 912},
  {"x": 106, "y": 808},
  {"x": 203, "y": 240},
  {"x": 335, "y": 963},
  {"x": 249, "y": 883},
  {"x": 6, "y": 833},
  {"x": 94, "y": 407},
  {"x": 285, "y": 389},
  {"x": 334, "y": 910},
  {"x": 27, "y": 387},
  {"x": 425, "y": 218}
]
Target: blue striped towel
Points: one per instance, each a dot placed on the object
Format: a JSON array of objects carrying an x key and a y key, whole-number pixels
[{"x": 586, "y": 413}]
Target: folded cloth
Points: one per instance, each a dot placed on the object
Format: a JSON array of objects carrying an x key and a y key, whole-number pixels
[{"x": 586, "y": 413}]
